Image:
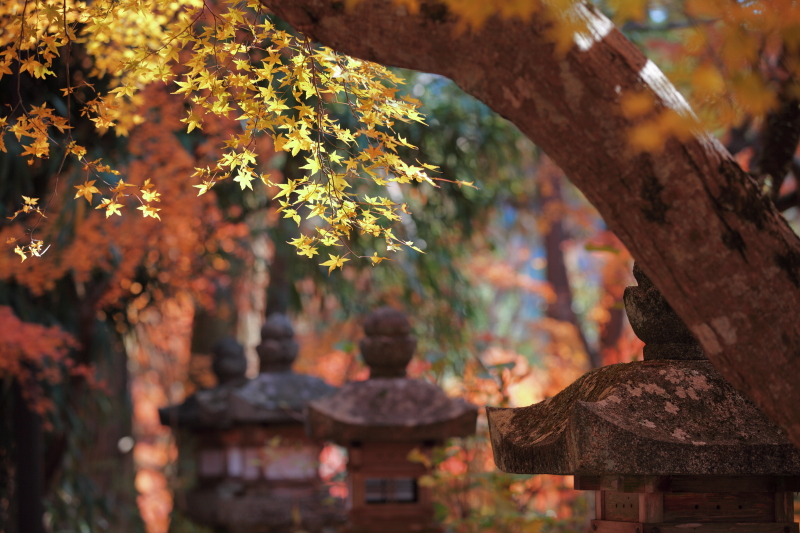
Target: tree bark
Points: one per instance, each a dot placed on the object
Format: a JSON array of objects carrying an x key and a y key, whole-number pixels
[{"x": 718, "y": 250}]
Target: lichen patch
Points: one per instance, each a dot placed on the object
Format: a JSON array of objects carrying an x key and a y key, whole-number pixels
[
  {"x": 680, "y": 434},
  {"x": 724, "y": 329},
  {"x": 700, "y": 383},
  {"x": 652, "y": 388},
  {"x": 634, "y": 391}
]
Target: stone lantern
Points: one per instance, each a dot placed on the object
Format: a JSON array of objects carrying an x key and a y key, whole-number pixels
[
  {"x": 380, "y": 421},
  {"x": 666, "y": 443},
  {"x": 256, "y": 470}
]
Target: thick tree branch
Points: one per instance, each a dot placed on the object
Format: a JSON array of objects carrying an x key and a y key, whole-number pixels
[{"x": 718, "y": 251}]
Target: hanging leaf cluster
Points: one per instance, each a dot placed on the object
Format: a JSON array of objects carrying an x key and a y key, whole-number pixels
[{"x": 229, "y": 61}]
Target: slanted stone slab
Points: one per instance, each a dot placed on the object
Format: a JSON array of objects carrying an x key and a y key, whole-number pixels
[
  {"x": 671, "y": 414},
  {"x": 390, "y": 409},
  {"x": 643, "y": 418},
  {"x": 276, "y": 395}
]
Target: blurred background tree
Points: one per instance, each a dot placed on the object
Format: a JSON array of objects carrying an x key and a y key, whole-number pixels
[{"x": 517, "y": 293}]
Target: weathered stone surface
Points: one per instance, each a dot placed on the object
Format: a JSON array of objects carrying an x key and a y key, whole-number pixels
[
  {"x": 389, "y": 406},
  {"x": 655, "y": 322},
  {"x": 388, "y": 345},
  {"x": 230, "y": 363},
  {"x": 643, "y": 418},
  {"x": 672, "y": 414},
  {"x": 278, "y": 349},
  {"x": 396, "y": 409},
  {"x": 276, "y": 395},
  {"x": 267, "y": 398},
  {"x": 208, "y": 408}
]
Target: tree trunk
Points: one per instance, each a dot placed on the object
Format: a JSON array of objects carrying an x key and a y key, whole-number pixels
[
  {"x": 716, "y": 248},
  {"x": 551, "y": 208},
  {"x": 29, "y": 470}
]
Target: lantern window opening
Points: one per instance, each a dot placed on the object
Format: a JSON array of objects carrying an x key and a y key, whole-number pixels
[{"x": 390, "y": 490}]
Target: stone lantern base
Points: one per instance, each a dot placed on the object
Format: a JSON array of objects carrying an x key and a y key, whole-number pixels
[
  {"x": 692, "y": 504},
  {"x": 385, "y": 496}
]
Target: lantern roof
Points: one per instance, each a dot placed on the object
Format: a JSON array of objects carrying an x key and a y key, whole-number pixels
[
  {"x": 389, "y": 406},
  {"x": 671, "y": 414},
  {"x": 276, "y": 395}
]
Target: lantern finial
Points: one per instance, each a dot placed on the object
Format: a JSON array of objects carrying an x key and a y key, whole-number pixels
[
  {"x": 278, "y": 348},
  {"x": 388, "y": 345},
  {"x": 230, "y": 363},
  {"x": 656, "y": 323}
]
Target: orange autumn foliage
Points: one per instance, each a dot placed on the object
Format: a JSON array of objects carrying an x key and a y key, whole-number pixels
[
  {"x": 151, "y": 275},
  {"x": 174, "y": 254},
  {"x": 25, "y": 344}
]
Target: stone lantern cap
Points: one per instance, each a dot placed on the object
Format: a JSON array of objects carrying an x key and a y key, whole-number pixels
[
  {"x": 389, "y": 406},
  {"x": 276, "y": 395},
  {"x": 671, "y": 414}
]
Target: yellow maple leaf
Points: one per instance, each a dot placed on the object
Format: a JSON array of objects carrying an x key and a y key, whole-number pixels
[
  {"x": 306, "y": 250},
  {"x": 244, "y": 178},
  {"x": 30, "y": 201},
  {"x": 121, "y": 186},
  {"x": 149, "y": 211},
  {"x": 377, "y": 260},
  {"x": 20, "y": 252},
  {"x": 194, "y": 121},
  {"x": 204, "y": 188},
  {"x": 110, "y": 206},
  {"x": 151, "y": 196},
  {"x": 334, "y": 262},
  {"x": 86, "y": 190},
  {"x": 113, "y": 208},
  {"x": 312, "y": 164},
  {"x": 286, "y": 189}
]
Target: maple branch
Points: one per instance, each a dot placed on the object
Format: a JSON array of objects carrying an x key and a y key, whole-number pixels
[{"x": 718, "y": 250}]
